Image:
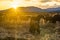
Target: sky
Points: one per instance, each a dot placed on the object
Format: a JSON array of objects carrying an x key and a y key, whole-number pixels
[{"x": 5, "y": 4}]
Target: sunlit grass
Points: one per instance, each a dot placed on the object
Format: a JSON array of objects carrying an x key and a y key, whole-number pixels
[{"x": 14, "y": 20}]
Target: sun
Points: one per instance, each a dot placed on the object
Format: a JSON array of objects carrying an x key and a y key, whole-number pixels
[
  {"x": 14, "y": 4},
  {"x": 19, "y": 3}
]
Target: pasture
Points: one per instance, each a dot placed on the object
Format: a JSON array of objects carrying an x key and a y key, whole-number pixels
[{"x": 16, "y": 26}]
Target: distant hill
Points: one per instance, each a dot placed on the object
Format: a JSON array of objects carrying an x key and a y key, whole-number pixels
[
  {"x": 32, "y": 9},
  {"x": 29, "y": 9},
  {"x": 53, "y": 9}
]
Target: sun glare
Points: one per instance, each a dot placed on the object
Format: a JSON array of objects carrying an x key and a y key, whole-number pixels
[{"x": 14, "y": 5}]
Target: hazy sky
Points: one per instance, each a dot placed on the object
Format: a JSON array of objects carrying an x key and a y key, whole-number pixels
[{"x": 5, "y": 4}]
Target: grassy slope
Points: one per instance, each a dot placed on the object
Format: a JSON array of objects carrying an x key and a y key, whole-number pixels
[{"x": 11, "y": 22}]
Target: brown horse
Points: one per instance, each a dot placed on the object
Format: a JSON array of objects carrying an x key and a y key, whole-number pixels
[
  {"x": 34, "y": 25},
  {"x": 55, "y": 18}
]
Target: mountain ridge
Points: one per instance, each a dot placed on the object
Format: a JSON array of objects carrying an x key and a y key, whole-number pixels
[{"x": 33, "y": 9}]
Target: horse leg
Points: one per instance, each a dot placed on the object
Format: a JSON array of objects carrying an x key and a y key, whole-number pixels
[
  {"x": 32, "y": 30},
  {"x": 38, "y": 31}
]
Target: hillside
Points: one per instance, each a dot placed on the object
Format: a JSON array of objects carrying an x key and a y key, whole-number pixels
[
  {"x": 16, "y": 24},
  {"x": 33, "y": 9}
]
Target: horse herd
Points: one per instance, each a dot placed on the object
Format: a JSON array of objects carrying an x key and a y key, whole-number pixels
[{"x": 34, "y": 25}]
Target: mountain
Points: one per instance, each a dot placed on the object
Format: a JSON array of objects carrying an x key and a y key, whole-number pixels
[
  {"x": 32, "y": 9},
  {"x": 53, "y": 9}
]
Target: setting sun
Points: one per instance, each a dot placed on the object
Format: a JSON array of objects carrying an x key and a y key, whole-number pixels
[{"x": 14, "y": 5}]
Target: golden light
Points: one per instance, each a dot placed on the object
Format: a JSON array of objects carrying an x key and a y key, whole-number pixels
[{"x": 14, "y": 4}]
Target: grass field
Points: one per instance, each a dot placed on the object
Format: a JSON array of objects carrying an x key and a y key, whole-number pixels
[{"x": 15, "y": 26}]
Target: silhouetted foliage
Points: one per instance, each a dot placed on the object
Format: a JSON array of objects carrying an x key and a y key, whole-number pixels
[{"x": 55, "y": 18}]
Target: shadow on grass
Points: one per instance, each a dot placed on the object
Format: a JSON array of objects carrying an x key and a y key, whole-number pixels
[{"x": 12, "y": 38}]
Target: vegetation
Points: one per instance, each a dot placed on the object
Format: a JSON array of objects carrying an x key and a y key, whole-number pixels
[{"x": 18, "y": 24}]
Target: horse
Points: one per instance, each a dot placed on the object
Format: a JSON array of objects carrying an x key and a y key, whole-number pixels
[
  {"x": 55, "y": 18},
  {"x": 34, "y": 24}
]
